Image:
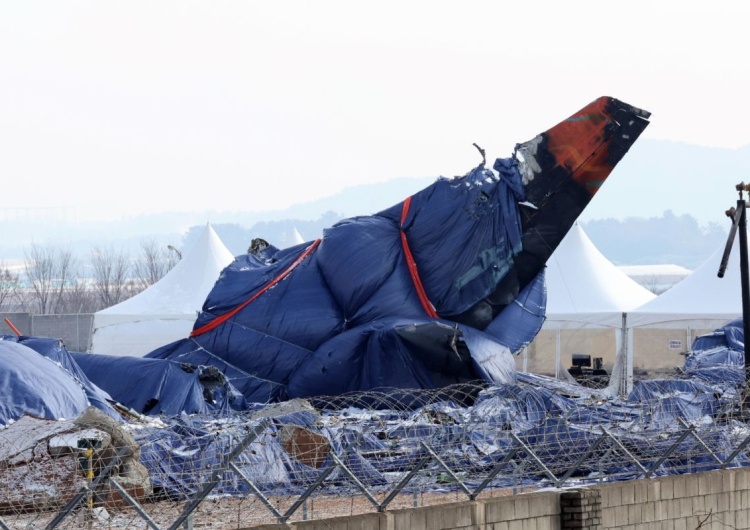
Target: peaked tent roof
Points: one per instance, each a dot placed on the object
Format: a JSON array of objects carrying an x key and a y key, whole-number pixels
[
  {"x": 581, "y": 280},
  {"x": 296, "y": 237},
  {"x": 700, "y": 296},
  {"x": 166, "y": 311}
]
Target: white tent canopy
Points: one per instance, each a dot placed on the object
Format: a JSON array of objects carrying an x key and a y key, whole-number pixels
[
  {"x": 296, "y": 237},
  {"x": 660, "y": 330},
  {"x": 586, "y": 298},
  {"x": 700, "y": 296},
  {"x": 582, "y": 284},
  {"x": 167, "y": 310}
]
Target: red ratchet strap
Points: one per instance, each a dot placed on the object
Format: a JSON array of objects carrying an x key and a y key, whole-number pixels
[
  {"x": 226, "y": 316},
  {"x": 426, "y": 304}
]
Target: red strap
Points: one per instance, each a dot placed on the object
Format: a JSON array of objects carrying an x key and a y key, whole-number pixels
[
  {"x": 426, "y": 304},
  {"x": 226, "y": 316}
]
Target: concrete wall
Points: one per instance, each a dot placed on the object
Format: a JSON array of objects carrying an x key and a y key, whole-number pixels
[
  {"x": 531, "y": 511},
  {"x": 74, "y": 330},
  {"x": 715, "y": 499},
  {"x": 711, "y": 500}
]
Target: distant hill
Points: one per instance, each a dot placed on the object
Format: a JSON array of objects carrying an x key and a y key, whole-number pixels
[
  {"x": 666, "y": 239},
  {"x": 656, "y": 176},
  {"x": 664, "y": 203}
]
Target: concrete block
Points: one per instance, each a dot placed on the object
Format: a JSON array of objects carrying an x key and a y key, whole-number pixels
[
  {"x": 678, "y": 483},
  {"x": 711, "y": 503},
  {"x": 699, "y": 504},
  {"x": 680, "y": 524},
  {"x": 369, "y": 521},
  {"x": 418, "y": 519},
  {"x": 496, "y": 510},
  {"x": 541, "y": 504},
  {"x": 641, "y": 488},
  {"x": 621, "y": 515},
  {"x": 499, "y": 526},
  {"x": 667, "y": 488},
  {"x": 742, "y": 478},
  {"x": 547, "y": 523},
  {"x": 728, "y": 478},
  {"x": 453, "y": 515},
  {"x": 478, "y": 512},
  {"x": 742, "y": 518},
  {"x": 685, "y": 506},
  {"x": 635, "y": 514},
  {"x": 628, "y": 493},
  {"x": 608, "y": 518},
  {"x": 673, "y": 509},
  {"x": 691, "y": 485},
  {"x": 373, "y": 521},
  {"x": 401, "y": 518},
  {"x": 660, "y": 510},
  {"x": 723, "y": 502},
  {"x": 717, "y": 481},
  {"x": 654, "y": 490},
  {"x": 649, "y": 514},
  {"x": 704, "y": 484},
  {"x": 515, "y": 525},
  {"x": 521, "y": 507},
  {"x": 728, "y": 520},
  {"x": 614, "y": 496}
]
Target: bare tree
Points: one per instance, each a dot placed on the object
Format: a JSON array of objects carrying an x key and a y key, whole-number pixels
[
  {"x": 10, "y": 288},
  {"x": 153, "y": 263},
  {"x": 50, "y": 272},
  {"x": 655, "y": 284},
  {"x": 67, "y": 279},
  {"x": 110, "y": 269},
  {"x": 39, "y": 264},
  {"x": 79, "y": 298}
]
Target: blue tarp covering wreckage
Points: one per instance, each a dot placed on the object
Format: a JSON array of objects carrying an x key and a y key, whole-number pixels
[
  {"x": 547, "y": 415},
  {"x": 436, "y": 290}
]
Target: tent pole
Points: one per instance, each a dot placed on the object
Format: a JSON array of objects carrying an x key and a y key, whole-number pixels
[
  {"x": 557, "y": 355},
  {"x": 628, "y": 351}
]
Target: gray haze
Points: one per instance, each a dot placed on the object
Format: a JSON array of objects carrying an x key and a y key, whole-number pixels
[
  {"x": 115, "y": 110},
  {"x": 654, "y": 177}
]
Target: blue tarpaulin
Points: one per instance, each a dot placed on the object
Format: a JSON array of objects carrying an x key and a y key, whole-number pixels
[
  {"x": 35, "y": 385},
  {"x": 155, "y": 386},
  {"x": 349, "y": 312}
]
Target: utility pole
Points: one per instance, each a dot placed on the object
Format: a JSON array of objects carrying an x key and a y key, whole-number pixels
[{"x": 739, "y": 220}]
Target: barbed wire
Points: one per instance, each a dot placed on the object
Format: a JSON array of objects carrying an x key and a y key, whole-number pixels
[{"x": 361, "y": 452}]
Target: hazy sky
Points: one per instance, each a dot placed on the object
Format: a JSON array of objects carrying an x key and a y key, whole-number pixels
[{"x": 123, "y": 107}]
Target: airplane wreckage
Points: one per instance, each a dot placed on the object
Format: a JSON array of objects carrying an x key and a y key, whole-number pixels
[{"x": 438, "y": 290}]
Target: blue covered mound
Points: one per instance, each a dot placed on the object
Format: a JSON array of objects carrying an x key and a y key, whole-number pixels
[
  {"x": 155, "y": 386},
  {"x": 44, "y": 384},
  {"x": 350, "y": 312},
  {"x": 42, "y": 378},
  {"x": 436, "y": 290}
]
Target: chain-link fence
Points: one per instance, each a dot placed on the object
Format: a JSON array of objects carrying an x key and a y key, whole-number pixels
[{"x": 375, "y": 451}]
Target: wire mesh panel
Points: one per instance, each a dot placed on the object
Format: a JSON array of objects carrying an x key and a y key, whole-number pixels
[{"x": 359, "y": 453}]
